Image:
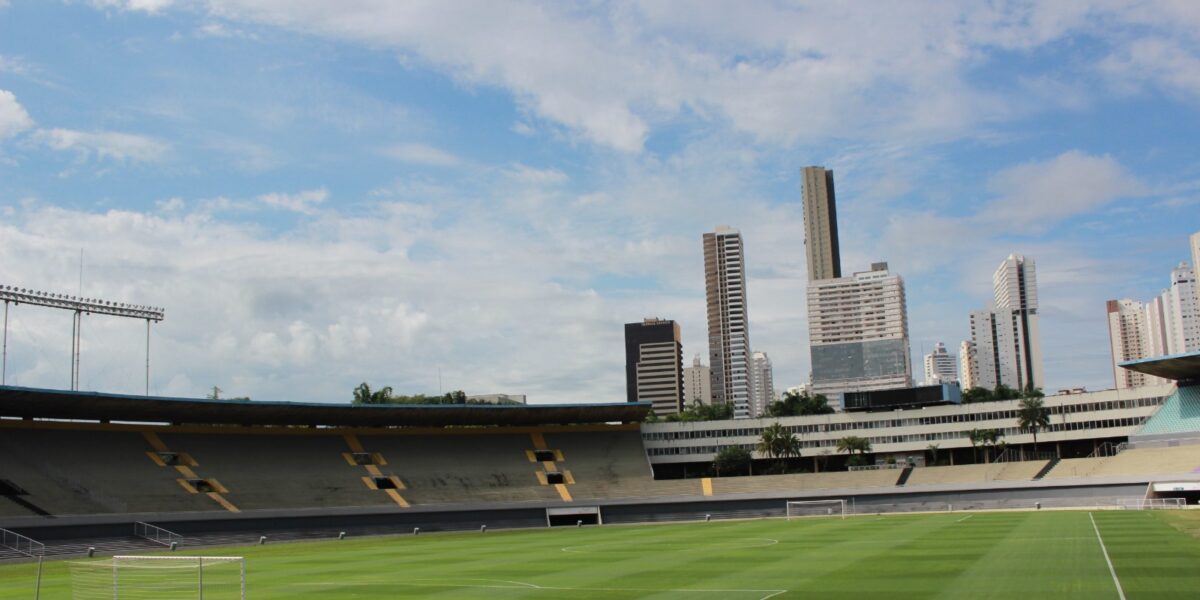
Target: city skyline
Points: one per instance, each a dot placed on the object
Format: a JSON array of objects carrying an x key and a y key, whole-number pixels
[{"x": 323, "y": 195}]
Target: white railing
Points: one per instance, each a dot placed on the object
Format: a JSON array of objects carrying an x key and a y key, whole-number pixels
[
  {"x": 156, "y": 534},
  {"x": 27, "y": 546},
  {"x": 1105, "y": 450}
]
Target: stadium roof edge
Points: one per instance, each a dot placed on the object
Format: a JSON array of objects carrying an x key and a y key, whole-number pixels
[
  {"x": 37, "y": 403},
  {"x": 1177, "y": 367}
]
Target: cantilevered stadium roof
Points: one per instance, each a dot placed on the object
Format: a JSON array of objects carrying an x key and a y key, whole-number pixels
[
  {"x": 1179, "y": 367},
  {"x": 36, "y": 403}
]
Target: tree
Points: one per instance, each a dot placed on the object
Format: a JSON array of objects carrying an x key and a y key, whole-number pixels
[
  {"x": 1032, "y": 415},
  {"x": 703, "y": 412},
  {"x": 779, "y": 443},
  {"x": 933, "y": 451},
  {"x": 799, "y": 405},
  {"x": 977, "y": 394},
  {"x": 853, "y": 443},
  {"x": 732, "y": 460},
  {"x": 364, "y": 395},
  {"x": 1003, "y": 392},
  {"x": 975, "y": 436}
]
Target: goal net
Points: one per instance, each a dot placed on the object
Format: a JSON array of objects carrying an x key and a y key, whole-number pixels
[
  {"x": 1151, "y": 503},
  {"x": 816, "y": 508},
  {"x": 159, "y": 578}
]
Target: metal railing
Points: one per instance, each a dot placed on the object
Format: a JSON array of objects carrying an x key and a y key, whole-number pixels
[
  {"x": 156, "y": 534},
  {"x": 879, "y": 467},
  {"x": 1106, "y": 450},
  {"x": 25, "y": 545}
]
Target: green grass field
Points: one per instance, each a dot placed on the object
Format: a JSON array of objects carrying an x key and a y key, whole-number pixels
[{"x": 1023, "y": 555}]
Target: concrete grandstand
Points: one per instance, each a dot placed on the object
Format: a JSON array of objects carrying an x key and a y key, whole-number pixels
[{"x": 80, "y": 469}]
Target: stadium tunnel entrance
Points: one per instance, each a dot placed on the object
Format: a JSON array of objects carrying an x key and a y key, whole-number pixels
[{"x": 573, "y": 516}]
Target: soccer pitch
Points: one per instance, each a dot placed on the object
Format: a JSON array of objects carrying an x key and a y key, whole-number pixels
[{"x": 1021, "y": 555}]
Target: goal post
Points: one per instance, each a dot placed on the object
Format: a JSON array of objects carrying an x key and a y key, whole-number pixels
[
  {"x": 159, "y": 578},
  {"x": 816, "y": 508}
]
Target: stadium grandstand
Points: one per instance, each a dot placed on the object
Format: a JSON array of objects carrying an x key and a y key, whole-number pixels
[{"x": 85, "y": 470}]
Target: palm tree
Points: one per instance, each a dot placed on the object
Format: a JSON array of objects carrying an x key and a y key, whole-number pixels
[
  {"x": 933, "y": 450},
  {"x": 778, "y": 443},
  {"x": 853, "y": 443},
  {"x": 1032, "y": 415},
  {"x": 975, "y": 436}
]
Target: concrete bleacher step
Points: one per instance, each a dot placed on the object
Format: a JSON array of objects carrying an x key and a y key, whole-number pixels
[{"x": 1046, "y": 469}]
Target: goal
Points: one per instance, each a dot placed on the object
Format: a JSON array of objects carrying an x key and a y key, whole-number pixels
[
  {"x": 1152, "y": 503},
  {"x": 816, "y": 508},
  {"x": 159, "y": 578}
]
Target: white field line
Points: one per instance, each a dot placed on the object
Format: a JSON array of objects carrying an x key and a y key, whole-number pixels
[
  {"x": 964, "y": 518},
  {"x": 1117, "y": 582},
  {"x": 530, "y": 586},
  {"x": 619, "y": 545}
]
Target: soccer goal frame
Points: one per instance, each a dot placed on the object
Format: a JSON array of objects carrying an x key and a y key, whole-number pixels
[
  {"x": 138, "y": 577},
  {"x": 1153, "y": 503},
  {"x": 834, "y": 507}
]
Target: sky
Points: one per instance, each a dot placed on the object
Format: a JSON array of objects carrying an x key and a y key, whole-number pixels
[{"x": 478, "y": 195}]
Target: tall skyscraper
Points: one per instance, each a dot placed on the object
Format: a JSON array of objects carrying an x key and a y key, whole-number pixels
[
  {"x": 1005, "y": 340},
  {"x": 654, "y": 364},
  {"x": 820, "y": 224},
  {"x": 858, "y": 333},
  {"x": 1129, "y": 336},
  {"x": 1182, "y": 311},
  {"x": 1194, "y": 241},
  {"x": 967, "y": 364},
  {"x": 763, "y": 378},
  {"x": 940, "y": 367},
  {"x": 728, "y": 324},
  {"x": 697, "y": 383},
  {"x": 1015, "y": 286}
]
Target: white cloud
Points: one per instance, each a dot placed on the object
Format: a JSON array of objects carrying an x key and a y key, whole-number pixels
[
  {"x": 148, "y": 6},
  {"x": 533, "y": 176},
  {"x": 105, "y": 145},
  {"x": 304, "y": 202},
  {"x": 1039, "y": 194},
  {"x": 421, "y": 154},
  {"x": 13, "y": 118},
  {"x": 782, "y": 73}
]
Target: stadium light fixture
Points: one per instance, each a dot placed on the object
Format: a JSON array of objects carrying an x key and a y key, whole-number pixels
[{"x": 80, "y": 306}]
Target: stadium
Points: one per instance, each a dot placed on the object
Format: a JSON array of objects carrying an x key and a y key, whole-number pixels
[{"x": 110, "y": 496}]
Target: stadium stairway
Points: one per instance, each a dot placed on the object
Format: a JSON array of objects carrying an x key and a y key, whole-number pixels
[
  {"x": 78, "y": 472},
  {"x": 458, "y": 468},
  {"x": 303, "y": 471}
]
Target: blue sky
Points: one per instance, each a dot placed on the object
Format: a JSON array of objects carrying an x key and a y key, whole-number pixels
[{"x": 323, "y": 193}]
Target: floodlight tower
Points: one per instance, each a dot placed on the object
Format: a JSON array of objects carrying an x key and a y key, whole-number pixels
[{"x": 14, "y": 295}]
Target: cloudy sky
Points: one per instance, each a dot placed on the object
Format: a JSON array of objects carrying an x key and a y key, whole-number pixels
[{"x": 325, "y": 193}]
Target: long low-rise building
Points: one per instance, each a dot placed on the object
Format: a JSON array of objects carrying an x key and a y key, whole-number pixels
[{"x": 1074, "y": 418}]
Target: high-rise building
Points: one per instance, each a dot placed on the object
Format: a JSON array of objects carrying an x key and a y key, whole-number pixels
[
  {"x": 697, "y": 383},
  {"x": 763, "y": 379},
  {"x": 940, "y": 367},
  {"x": 1015, "y": 286},
  {"x": 1129, "y": 337},
  {"x": 654, "y": 364},
  {"x": 1194, "y": 241},
  {"x": 858, "y": 333},
  {"x": 1181, "y": 311},
  {"x": 967, "y": 364},
  {"x": 820, "y": 224},
  {"x": 728, "y": 323}
]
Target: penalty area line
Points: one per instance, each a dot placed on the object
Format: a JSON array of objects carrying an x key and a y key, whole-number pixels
[
  {"x": 1117, "y": 582},
  {"x": 521, "y": 585},
  {"x": 964, "y": 518}
]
